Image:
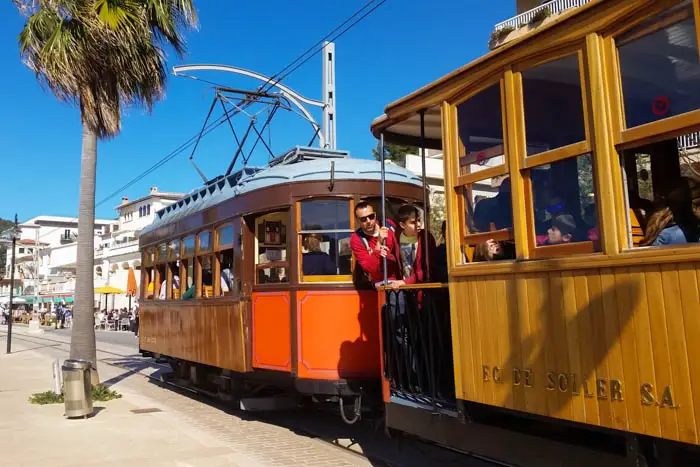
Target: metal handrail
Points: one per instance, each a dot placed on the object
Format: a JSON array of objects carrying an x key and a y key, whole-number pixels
[
  {"x": 689, "y": 141},
  {"x": 555, "y": 6},
  {"x": 417, "y": 348}
]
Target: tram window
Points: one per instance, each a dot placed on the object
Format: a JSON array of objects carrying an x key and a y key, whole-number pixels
[
  {"x": 224, "y": 247},
  {"x": 162, "y": 252},
  {"x": 207, "y": 268},
  {"x": 325, "y": 240},
  {"x": 174, "y": 266},
  {"x": 188, "y": 246},
  {"x": 161, "y": 282},
  {"x": 564, "y": 204},
  {"x": 204, "y": 241},
  {"x": 553, "y": 105},
  {"x": 660, "y": 67},
  {"x": 190, "y": 284},
  {"x": 489, "y": 220},
  {"x": 663, "y": 191},
  {"x": 149, "y": 282},
  {"x": 488, "y": 205},
  {"x": 271, "y": 248},
  {"x": 480, "y": 126}
]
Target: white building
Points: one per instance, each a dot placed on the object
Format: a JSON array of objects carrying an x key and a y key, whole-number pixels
[
  {"x": 118, "y": 249},
  {"x": 46, "y": 255}
]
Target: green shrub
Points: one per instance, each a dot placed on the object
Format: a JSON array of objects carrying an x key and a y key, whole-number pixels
[
  {"x": 100, "y": 393},
  {"x": 540, "y": 16}
]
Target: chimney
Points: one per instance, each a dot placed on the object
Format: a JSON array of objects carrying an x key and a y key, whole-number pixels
[
  {"x": 125, "y": 200},
  {"x": 154, "y": 189}
]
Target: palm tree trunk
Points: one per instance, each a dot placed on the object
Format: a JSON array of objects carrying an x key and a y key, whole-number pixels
[{"x": 82, "y": 344}]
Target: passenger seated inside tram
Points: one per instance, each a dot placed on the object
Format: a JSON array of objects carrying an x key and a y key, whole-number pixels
[
  {"x": 412, "y": 250},
  {"x": 562, "y": 230},
  {"x": 678, "y": 220},
  {"x": 496, "y": 210},
  {"x": 314, "y": 261},
  {"x": 164, "y": 287}
]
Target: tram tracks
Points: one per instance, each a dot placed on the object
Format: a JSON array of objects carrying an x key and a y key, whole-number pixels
[{"x": 135, "y": 363}]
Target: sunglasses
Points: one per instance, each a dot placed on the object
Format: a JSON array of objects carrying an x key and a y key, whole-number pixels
[{"x": 367, "y": 217}]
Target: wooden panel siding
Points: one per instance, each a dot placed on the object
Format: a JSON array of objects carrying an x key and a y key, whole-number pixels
[
  {"x": 207, "y": 332},
  {"x": 615, "y": 347}
]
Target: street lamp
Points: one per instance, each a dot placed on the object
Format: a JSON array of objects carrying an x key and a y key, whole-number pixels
[{"x": 14, "y": 233}]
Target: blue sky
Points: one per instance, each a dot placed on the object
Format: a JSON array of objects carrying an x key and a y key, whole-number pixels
[{"x": 402, "y": 46}]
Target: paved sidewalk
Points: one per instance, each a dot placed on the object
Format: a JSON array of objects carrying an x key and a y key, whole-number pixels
[{"x": 184, "y": 432}]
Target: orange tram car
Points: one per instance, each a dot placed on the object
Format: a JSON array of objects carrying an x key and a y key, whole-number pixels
[
  {"x": 234, "y": 298},
  {"x": 569, "y": 330}
]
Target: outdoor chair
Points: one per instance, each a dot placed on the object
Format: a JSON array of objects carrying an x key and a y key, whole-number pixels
[
  {"x": 110, "y": 325},
  {"x": 125, "y": 323},
  {"x": 98, "y": 323}
]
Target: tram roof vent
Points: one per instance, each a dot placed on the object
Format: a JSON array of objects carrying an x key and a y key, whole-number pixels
[{"x": 301, "y": 154}]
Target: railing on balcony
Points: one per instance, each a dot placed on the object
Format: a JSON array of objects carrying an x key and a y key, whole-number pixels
[
  {"x": 417, "y": 347},
  {"x": 555, "y": 6},
  {"x": 689, "y": 141}
]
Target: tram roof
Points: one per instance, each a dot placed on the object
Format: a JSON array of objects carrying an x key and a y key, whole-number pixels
[
  {"x": 300, "y": 164},
  {"x": 400, "y": 121}
]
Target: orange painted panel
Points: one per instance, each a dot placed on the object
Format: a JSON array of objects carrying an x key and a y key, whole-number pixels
[
  {"x": 272, "y": 348},
  {"x": 337, "y": 334}
]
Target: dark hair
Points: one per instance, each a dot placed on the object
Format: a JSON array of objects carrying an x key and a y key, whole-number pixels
[
  {"x": 406, "y": 212},
  {"x": 362, "y": 205}
]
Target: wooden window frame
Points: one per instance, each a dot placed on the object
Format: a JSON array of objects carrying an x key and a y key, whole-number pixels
[
  {"x": 341, "y": 278},
  {"x": 199, "y": 256},
  {"x": 626, "y": 138},
  {"x": 571, "y": 151},
  {"x": 218, "y": 249},
  {"x": 465, "y": 182},
  {"x": 273, "y": 264}
]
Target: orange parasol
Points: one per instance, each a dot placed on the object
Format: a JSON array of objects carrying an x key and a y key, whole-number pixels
[{"x": 131, "y": 288}]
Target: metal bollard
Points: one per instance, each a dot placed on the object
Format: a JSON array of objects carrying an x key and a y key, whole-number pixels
[{"x": 77, "y": 388}]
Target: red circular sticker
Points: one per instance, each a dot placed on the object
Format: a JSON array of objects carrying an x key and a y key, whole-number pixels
[
  {"x": 660, "y": 106},
  {"x": 481, "y": 158}
]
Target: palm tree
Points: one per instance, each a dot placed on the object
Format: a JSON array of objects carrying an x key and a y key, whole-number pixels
[{"x": 99, "y": 55}]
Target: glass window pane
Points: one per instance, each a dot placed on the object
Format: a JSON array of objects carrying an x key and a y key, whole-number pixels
[
  {"x": 174, "y": 249},
  {"x": 663, "y": 191},
  {"x": 564, "y": 202},
  {"x": 188, "y": 246},
  {"x": 488, "y": 205},
  {"x": 207, "y": 276},
  {"x": 229, "y": 284},
  {"x": 480, "y": 126},
  {"x": 553, "y": 105},
  {"x": 205, "y": 241},
  {"x": 325, "y": 215},
  {"x": 150, "y": 255},
  {"x": 162, "y": 252},
  {"x": 326, "y": 254},
  {"x": 272, "y": 275},
  {"x": 660, "y": 70},
  {"x": 225, "y": 235}
]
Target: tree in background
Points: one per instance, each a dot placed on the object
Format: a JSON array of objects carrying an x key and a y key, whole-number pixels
[
  {"x": 395, "y": 153},
  {"x": 99, "y": 55}
]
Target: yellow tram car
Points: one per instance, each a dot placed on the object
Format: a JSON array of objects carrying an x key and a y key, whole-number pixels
[{"x": 572, "y": 181}]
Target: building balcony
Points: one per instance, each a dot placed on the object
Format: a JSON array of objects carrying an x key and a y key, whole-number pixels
[{"x": 552, "y": 7}]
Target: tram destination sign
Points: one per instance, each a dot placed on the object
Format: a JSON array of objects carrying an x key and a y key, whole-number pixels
[{"x": 602, "y": 388}]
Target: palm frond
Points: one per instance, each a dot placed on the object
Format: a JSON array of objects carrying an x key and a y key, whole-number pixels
[{"x": 103, "y": 54}]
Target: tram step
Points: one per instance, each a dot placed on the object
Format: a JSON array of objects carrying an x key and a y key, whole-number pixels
[{"x": 260, "y": 404}]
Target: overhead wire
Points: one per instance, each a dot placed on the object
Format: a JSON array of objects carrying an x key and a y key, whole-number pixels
[{"x": 284, "y": 73}]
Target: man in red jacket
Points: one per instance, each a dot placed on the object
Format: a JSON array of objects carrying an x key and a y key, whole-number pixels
[{"x": 371, "y": 243}]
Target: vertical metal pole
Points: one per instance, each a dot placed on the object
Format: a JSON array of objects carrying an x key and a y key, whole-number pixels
[
  {"x": 383, "y": 195},
  {"x": 328, "y": 125},
  {"x": 12, "y": 286},
  {"x": 426, "y": 208},
  {"x": 36, "y": 273}
]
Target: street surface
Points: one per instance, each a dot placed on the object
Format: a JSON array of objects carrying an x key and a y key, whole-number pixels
[{"x": 180, "y": 428}]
